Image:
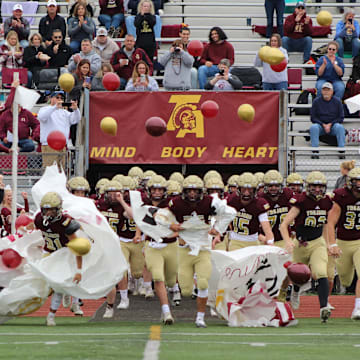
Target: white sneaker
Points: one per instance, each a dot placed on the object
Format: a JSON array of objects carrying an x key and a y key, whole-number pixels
[
  {"x": 50, "y": 321},
  {"x": 176, "y": 298},
  {"x": 213, "y": 313},
  {"x": 149, "y": 294},
  {"x": 355, "y": 314},
  {"x": 75, "y": 308},
  {"x": 124, "y": 304},
  {"x": 167, "y": 319},
  {"x": 142, "y": 291},
  {"x": 325, "y": 314},
  {"x": 136, "y": 291},
  {"x": 109, "y": 313},
  {"x": 200, "y": 323},
  {"x": 66, "y": 301},
  {"x": 330, "y": 306},
  {"x": 295, "y": 299}
]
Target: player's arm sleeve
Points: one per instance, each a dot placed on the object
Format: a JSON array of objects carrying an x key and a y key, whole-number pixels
[{"x": 72, "y": 227}]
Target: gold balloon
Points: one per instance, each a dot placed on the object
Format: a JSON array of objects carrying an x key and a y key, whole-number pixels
[
  {"x": 79, "y": 246},
  {"x": 66, "y": 82},
  {"x": 274, "y": 56},
  {"x": 263, "y": 52},
  {"x": 324, "y": 18},
  {"x": 246, "y": 112},
  {"x": 109, "y": 125}
]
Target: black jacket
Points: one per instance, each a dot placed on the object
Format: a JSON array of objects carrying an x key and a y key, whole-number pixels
[
  {"x": 61, "y": 58},
  {"x": 30, "y": 59},
  {"x": 47, "y": 26}
]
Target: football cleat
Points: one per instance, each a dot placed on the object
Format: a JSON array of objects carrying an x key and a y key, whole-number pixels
[
  {"x": 109, "y": 312},
  {"x": 75, "y": 308},
  {"x": 213, "y": 313},
  {"x": 282, "y": 295},
  {"x": 50, "y": 321},
  {"x": 167, "y": 319},
  {"x": 355, "y": 314},
  {"x": 149, "y": 293},
  {"x": 325, "y": 314},
  {"x": 200, "y": 323},
  {"x": 194, "y": 293},
  {"x": 330, "y": 306},
  {"x": 124, "y": 304},
  {"x": 176, "y": 298},
  {"x": 295, "y": 299},
  {"x": 66, "y": 301}
]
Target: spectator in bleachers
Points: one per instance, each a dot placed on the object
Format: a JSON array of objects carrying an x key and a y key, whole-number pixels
[
  {"x": 34, "y": 58},
  {"x": 112, "y": 16},
  {"x": 133, "y": 6},
  {"x": 18, "y": 24},
  {"x": 87, "y": 52},
  {"x": 217, "y": 48},
  {"x": 270, "y": 7},
  {"x": 347, "y": 34},
  {"x": 123, "y": 61},
  {"x": 273, "y": 80},
  {"x": 327, "y": 116},
  {"x": 82, "y": 78},
  {"x": 298, "y": 31},
  {"x": 177, "y": 63},
  {"x": 81, "y": 27},
  {"x": 104, "y": 46},
  {"x": 59, "y": 52},
  {"x": 144, "y": 23},
  {"x": 345, "y": 167},
  {"x": 224, "y": 80},
  {"x": 52, "y": 21},
  {"x": 11, "y": 53},
  {"x": 89, "y": 8},
  {"x": 141, "y": 80},
  {"x": 330, "y": 68},
  {"x": 96, "y": 82}
]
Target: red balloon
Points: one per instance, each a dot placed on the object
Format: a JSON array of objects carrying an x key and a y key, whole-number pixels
[
  {"x": 280, "y": 67},
  {"x": 195, "y": 48},
  {"x": 209, "y": 108},
  {"x": 155, "y": 126},
  {"x": 298, "y": 273},
  {"x": 111, "y": 81},
  {"x": 22, "y": 220},
  {"x": 56, "y": 140},
  {"x": 11, "y": 258}
]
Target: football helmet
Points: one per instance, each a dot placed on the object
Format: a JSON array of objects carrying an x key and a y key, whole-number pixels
[
  {"x": 193, "y": 182},
  {"x": 99, "y": 187},
  {"x": 247, "y": 185},
  {"x": 260, "y": 178},
  {"x": 156, "y": 182},
  {"x": 177, "y": 176},
  {"x": 173, "y": 188},
  {"x": 78, "y": 183},
  {"x": 352, "y": 181},
  {"x": 148, "y": 174},
  {"x": 118, "y": 178},
  {"x": 136, "y": 172},
  {"x": 110, "y": 190},
  {"x": 273, "y": 182},
  {"x": 128, "y": 183},
  {"x": 313, "y": 180},
  {"x": 212, "y": 173},
  {"x": 295, "y": 182},
  {"x": 214, "y": 184},
  {"x": 53, "y": 202}
]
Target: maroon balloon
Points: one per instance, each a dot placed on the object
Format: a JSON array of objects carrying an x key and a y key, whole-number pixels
[
  {"x": 298, "y": 273},
  {"x": 209, "y": 108},
  {"x": 22, "y": 220},
  {"x": 111, "y": 81},
  {"x": 280, "y": 67},
  {"x": 195, "y": 48},
  {"x": 155, "y": 126},
  {"x": 56, "y": 140},
  {"x": 11, "y": 258}
]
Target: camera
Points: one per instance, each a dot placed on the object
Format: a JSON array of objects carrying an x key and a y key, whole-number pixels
[
  {"x": 221, "y": 72},
  {"x": 177, "y": 50},
  {"x": 350, "y": 21}
]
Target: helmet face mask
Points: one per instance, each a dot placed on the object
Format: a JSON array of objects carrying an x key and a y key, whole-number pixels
[
  {"x": 51, "y": 207},
  {"x": 80, "y": 193},
  {"x": 232, "y": 189},
  {"x": 296, "y": 188},
  {"x": 353, "y": 181},
  {"x": 274, "y": 190},
  {"x": 157, "y": 193},
  {"x": 192, "y": 194},
  {"x": 247, "y": 193},
  {"x": 110, "y": 190},
  {"x": 316, "y": 184},
  {"x": 193, "y": 188}
]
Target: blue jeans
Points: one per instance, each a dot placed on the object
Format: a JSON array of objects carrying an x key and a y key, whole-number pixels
[
  {"x": 108, "y": 21},
  {"x": 25, "y": 145},
  {"x": 131, "y": 29},
  {"x": 270, "y": 6},
  {"x": 283, "y": 85},
  {"x": 301, "y": 45},
  {"x": 339, "y": 88},
  {"x": 204, "y": 72},
  {"x": 317, "y": 130},
  {"x": 75, "y": 46},
  {"x": 355, "y": 46}
]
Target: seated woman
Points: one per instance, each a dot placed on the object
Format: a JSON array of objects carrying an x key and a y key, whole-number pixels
[
  {"x": 140, "y": 80},
  {"x": 82, "y": 78},
  {"x": 35, "y": 58},
  {"x": 112, "y": 16},
  {"x": 330, "y": 68},
  {"x": 89, "y": 9},
  {"x": 96, "y": 82}
]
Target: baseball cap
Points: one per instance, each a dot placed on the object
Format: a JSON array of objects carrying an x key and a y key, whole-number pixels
[
  {"x": 51, "y": 2},
  {"x": 300, "y": 3},
  {"x": 102, "y": 31},
  {"x": 56, "y": 93},
  {"x": 17, "y": 7},
  {"x": 327, "y": 85}
]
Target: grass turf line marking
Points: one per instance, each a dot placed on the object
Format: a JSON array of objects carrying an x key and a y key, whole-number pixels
[{"x": 152, "y": 347}]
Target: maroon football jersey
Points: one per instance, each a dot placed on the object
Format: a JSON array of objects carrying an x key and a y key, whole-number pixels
[
  {"x": 348, "y": 225},
  {"x": 53, "y": 232},
  {"x": 278, "y": 210},
  {"x": 246, "y": 221}
]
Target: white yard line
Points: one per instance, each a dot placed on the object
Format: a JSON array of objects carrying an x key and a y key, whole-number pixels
[{"x": 152, "y": 347}]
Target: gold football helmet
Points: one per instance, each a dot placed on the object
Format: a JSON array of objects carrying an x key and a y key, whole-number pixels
[
  {"x": 247, "y": 186},
  {"x": 118, "y": 178},
  {"x": 212, "y": 173},
  {"x": 352, "y": 181},
  {"x": 156, "y": 182},
  {"x": 313, "y": 180},
  {"x": 128, "y": 183},
  {"x": 78, "y": 183},
  {"x": 193, "y": 182},
  {"x": 173, "y": 188},
  {"x": 148, "y": 174},
  {"x": 51, "y": 206},
  {"x": 294, "y": 178},
  {"x": 177, "y": 176},
  {"x": 136, "y": 172},
  {"x": 99, "y": 187},
  {"x": 215, "y": 185},
  {"x": 273, "y": 182}
]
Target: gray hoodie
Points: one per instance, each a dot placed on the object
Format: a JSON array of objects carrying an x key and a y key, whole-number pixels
[
  {"x": 92, "y": 56},
  {"x": 177, "y": 73}
]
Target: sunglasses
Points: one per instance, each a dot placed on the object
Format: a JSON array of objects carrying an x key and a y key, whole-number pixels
[
  {"x": 57, "y": 37},
  {"x": 59, "y": 98},
  {"x": 301, "y": 7},
  {"x": 332, "y": 49}
]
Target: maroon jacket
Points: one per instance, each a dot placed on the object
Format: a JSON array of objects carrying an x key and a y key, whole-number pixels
[
  {"x": 127, "y": 70},
  {"x": 111, "y": 7},
  {"x": 297, "y": 30},
  {"x": 215, "y": 52}
]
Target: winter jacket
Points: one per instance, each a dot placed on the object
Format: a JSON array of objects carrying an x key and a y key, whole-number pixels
[
  {"x": 79, "y": 33},
  {"x": 30, "y": 59},
  {"x": 48, "y": 25},
  {"x": 297, "y": 30},
  {"x": 23, "y": 32},
  {"x": 107, "y": 52},
  {"x": 10, "y": 61},
  {"x": 61, "y": 58}
]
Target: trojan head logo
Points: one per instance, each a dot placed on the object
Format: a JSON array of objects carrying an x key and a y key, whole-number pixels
[{"x": 186, "y": 117}]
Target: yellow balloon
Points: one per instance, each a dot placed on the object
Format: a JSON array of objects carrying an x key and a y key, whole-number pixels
[
  {"x": 109, "y": 125},
  {"x": 79, "y": 246},
  {"x": 324, "y": 18},
  {"x": 66, "y": 82},
  {"x": 274, "y": 56},
  {"x": 263, "y": 52},
  {"x": 246, "y": 112}
]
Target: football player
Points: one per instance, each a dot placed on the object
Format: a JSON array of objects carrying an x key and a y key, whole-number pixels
[
  {"x": 232, "y": 185},
  {"x": 310, "y": 211},
  {"x": 136, "y": 173},
  {"x": 57, "y": 229},
  {"x": 177, "y": 176},
  {"x": 344, "y": 242},
  {"x": 260, "y": 182},
  {"x": 78, "y": 186},
  {"x": 99, "y": 189},
  {"x": 173, "y": 189},
  {"x": 295, "y": 182},
  {"x": 251, "y": 213}
]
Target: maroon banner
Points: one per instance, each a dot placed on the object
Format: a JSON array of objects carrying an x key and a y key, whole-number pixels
[{"x": 190, "y": 137}]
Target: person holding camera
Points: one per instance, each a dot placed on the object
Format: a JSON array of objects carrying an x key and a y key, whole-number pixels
[
  {"x": 141, "y": 80},
  {"x": 347, "y": 34},
  {"x": 223, "y": 80},
  {"x": 177, "y": 63}
]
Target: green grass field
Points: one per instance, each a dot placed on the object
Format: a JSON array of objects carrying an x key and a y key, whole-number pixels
[{"x": 74, "y": 338}]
